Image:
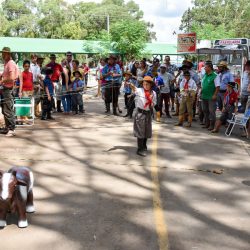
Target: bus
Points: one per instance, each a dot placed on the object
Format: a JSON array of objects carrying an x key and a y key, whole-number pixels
[{"x": 235, "y": 60}]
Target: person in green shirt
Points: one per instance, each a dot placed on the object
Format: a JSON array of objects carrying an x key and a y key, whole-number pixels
[{"x": 209, "y": 92}]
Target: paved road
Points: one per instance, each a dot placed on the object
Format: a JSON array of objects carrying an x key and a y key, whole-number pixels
[{"x": 92, "y": 192}]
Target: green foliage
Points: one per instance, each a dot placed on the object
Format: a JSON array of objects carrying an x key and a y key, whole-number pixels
[
  {"x": 213, "y": 19},
  {"x": 82, "y": 20},
  {"x": 129, "y": 37}
]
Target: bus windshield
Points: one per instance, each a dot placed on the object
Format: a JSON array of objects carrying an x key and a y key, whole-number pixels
[{"x": 233, "y": 59}]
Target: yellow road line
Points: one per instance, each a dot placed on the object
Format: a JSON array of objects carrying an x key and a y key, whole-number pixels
[{"x": 160, "y": 222}]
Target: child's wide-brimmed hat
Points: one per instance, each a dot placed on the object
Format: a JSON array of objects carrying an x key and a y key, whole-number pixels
[
  {"x": 127, "y": 73},
  {"x": 189, "y": 63},
  {"x": 77, "y": 72},
  {"x": 149, "y": 79},
  {"x": 231, "y": 84}
]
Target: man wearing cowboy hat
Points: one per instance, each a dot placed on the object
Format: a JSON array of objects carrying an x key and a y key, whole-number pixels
[
  {"x": 111, "y": 74},
  {"x": 7, "y": 81},
  {"x": 223, "y": 78}
]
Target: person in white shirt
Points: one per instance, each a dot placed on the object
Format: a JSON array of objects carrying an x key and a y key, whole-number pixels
[
  {"x": 165, "y": 89},
  {"x": 188, "y": 89},
  {"x": 36, "y": 72},
  {"x": 145, "y": 101}
]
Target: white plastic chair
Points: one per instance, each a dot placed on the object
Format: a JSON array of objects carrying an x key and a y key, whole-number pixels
[{"x": 240, "y": 120}]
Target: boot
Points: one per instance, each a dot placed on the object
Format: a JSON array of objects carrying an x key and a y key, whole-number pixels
[
  {"x": 145, "y": 144},
  {"x": 207, "y": 124},
  {"x": 180, "y": 122},
  {"x": 115, "y": 111},
  {"x": 140, "y": 150},
  {"x": 37, "y": 113},
  {"x": 158, "y": 116},
  {"x": 107, "y": 105},
  {"x": 190, "y": 119},
  {"x": 58, "y": 106},
  {"x": 211, "y": 127},
  {"x": 49, "y": 117}
]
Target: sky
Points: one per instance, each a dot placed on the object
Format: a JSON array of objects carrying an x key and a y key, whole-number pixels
[{"x": 164, "y": 14}]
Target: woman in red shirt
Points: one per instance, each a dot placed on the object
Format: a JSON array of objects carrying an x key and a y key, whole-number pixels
[{"x": 26, "y": 81}]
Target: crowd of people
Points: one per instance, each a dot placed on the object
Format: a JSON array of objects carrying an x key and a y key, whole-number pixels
[
  {"x": 53, "y": 86},
  {"x": 150, "y": 88}
]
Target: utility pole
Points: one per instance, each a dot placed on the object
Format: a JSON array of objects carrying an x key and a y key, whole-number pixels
[
  {"x": 188, "y": 20},
  {"x": 108, "y": 22}
]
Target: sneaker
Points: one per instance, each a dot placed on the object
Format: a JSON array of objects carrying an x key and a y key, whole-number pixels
[{"x": 11, "y": 133}]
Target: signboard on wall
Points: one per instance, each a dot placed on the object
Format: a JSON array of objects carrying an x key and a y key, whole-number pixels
[{"x": 186, "y": 43}]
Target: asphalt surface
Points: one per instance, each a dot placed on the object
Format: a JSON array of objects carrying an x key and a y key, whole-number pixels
[{"x": 92, "y": 192}]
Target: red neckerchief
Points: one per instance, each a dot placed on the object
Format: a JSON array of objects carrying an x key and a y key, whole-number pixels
[
  {"x": 186, "y": 85},
  {"x": 149, "y": 100}
]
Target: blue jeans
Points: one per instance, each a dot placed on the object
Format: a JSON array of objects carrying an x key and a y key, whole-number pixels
[{"x": 66, "y": 100}]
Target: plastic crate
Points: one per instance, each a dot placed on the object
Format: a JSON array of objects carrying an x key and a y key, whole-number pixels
[{"x": 23, "y": 107}]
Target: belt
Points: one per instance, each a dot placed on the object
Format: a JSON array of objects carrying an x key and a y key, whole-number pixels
[
  {"x": 143, "y": 111},
  {"x": 223, "y": 90}
]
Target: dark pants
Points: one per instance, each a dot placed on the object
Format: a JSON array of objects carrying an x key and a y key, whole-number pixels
[
  {"x": 111, "y": 94},
  {"x": 209, "y": 109},
  {"x": 86, "y": 78},
  {"x": 126, "y": 99},
  {"x": 201, "y": 113},
  {"x": 166, "y": 98},
  {"x": 7, "y": 104},
  {"x": 142, "y": 144},
  {"x": 130, "y": 106},
  {"x": 77, "y": 102},
  {"x": 47, "y": 107}
]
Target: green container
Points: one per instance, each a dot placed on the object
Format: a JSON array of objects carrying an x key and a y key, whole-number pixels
[{"x": 23, "y": 111}]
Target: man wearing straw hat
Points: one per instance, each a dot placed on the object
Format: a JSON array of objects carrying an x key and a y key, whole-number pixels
[
  {"x": 7, "y": 81},
  {"x": 224, "y": 77}
]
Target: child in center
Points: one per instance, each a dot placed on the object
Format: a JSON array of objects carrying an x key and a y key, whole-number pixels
[{"x": 145, "y": 102}]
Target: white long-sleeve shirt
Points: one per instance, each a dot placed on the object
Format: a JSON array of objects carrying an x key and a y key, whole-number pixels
[
  {"x": 141, "y": 100},
  {"x": 191, "y": 85}
]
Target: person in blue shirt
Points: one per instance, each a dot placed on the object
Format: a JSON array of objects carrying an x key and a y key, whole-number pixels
[
  {"x": 48, "y": 98},
  {"x": 223, "y": 78},
  {"x": 77, "y": 91},
  {"x": 111, "y": 74}
]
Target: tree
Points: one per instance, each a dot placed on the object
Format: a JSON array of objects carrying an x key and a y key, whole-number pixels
[
  {"x": 129, "y": 37},
  {"x": 213, "y": 19},
  {"x": 20, "y": 17}
]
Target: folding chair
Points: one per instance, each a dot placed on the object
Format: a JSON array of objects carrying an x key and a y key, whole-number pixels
[{"x": 240, "y": 120}]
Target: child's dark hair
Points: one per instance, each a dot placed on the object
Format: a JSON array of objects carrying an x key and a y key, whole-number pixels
[{"x": 26, "y": 62}]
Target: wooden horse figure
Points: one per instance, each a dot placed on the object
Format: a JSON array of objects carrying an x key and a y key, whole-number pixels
[{"x": 16, "y": 194}]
